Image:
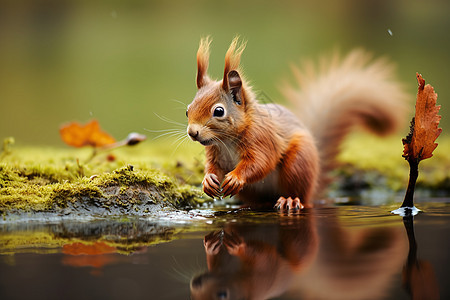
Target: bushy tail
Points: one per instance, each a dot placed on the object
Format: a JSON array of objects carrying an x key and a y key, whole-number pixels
[{"x": 340, "y": 94}]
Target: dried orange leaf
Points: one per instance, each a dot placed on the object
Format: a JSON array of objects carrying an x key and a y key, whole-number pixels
[
  {"x": 420, "y": 143},
  {"x": 78, "y": 135}
]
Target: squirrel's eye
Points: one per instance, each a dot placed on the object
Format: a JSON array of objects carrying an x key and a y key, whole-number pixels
[
  {"x": 219, "y": 111},
  {"x": 187, "y": 110}
]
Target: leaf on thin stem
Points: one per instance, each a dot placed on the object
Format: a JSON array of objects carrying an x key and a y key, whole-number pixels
[
  {"x": 420, "y": 143},
  {"x": 78, "y": 135}
]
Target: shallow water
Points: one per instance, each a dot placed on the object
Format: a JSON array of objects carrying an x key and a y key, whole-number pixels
[{"x": 344, "y": 252}]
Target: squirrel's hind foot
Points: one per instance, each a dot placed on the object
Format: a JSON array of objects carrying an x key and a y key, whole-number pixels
[{"x": 286, "y": 204}]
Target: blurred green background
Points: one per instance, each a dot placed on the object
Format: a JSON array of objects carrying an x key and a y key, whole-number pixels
[{"x": 123, "y": 61}]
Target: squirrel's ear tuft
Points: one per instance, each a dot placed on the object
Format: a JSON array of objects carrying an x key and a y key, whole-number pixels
[
  {"x": 203, "y": 61},
  {"x": 234, "y": 86},
  {"x": 232, "y": 59}
]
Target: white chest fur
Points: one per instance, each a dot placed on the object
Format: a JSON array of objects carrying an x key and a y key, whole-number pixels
[{"x": 229, "y": 156}]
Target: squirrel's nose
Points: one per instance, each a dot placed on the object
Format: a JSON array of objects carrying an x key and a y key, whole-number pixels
[{"x": 193, "y": 133}]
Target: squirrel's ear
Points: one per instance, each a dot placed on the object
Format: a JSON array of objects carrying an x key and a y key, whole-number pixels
[
  {"x": 202, "y": 62},
  {"x": 232, "y": 59},
  {"x": 235, "y": 86}
]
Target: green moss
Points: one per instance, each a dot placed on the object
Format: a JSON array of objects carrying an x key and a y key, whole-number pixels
[
  {"x": 51, "y": 179},
  {"x": 126, "y": 176},
  {"x": 381, "y": 159}
]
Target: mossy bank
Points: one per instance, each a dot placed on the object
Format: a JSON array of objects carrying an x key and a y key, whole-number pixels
[
  {"x": 155, "y": 177},
  {"x": 37, "y": 180}
]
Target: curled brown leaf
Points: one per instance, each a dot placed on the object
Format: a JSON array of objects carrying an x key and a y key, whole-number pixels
[
  {"x": 90, "y": 134},
  {"x": 420, "y": 143}
]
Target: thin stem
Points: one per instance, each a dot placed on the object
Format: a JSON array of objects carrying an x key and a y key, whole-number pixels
[{"x": 413, "y": 174}]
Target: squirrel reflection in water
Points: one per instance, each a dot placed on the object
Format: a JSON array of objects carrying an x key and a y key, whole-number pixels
[{"x": 300, "y": 257}]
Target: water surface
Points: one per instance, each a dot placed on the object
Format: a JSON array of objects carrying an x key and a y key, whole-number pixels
[{"x": 344, "y": 252}]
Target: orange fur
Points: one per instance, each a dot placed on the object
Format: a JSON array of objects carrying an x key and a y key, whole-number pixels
[
  {"x": 232, "y": 60},
  {"x": 300, "y": 168},
  {"x": 263, "y": 151},
  {"x": 343, "y": 93},
  {"x": 203, "y": 61}
]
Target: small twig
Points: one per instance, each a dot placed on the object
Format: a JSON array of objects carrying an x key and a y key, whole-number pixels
[
  {"x": 413, "y": 174},
  {"x": 131, "y": 140}
]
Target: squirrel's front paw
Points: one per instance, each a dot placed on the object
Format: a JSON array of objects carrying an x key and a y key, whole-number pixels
[
  {"x": 232, "y": 185},
  {"x": 211, "y": 185}
]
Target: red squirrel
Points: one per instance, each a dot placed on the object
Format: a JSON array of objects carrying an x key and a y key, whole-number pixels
[{"x": 264, "y": 151}]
